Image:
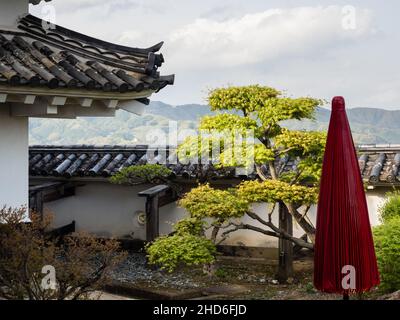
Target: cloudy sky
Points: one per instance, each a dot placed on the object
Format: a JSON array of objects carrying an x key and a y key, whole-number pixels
[{"x": 306, "y": 48}]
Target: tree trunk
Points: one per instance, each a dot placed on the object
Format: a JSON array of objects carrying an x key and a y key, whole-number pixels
[
  {"x": 309, "y": 229},
  {"x": 285, "y": 268}
]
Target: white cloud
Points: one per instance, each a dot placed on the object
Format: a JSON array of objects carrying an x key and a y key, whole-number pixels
[
  {"x": 208, "y": 44},
  {"x": 263, "y": 36},
  {"x": 75, "y": 4},
  {"x": 130, "y": 37}
]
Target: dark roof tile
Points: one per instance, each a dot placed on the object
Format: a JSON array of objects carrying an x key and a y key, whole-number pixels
[
  {"x": 59, "y": 57},
  {"x": 104, "y": 161},
  {"x": 379, "y": 166}
]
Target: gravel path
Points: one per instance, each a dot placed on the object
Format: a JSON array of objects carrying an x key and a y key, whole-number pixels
[{"x": 134, "y": 270}]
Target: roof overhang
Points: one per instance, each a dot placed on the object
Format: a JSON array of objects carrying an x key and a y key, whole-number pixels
[
  {"x": 60, "y": 73},
  {"x": 69, "y": 104}
]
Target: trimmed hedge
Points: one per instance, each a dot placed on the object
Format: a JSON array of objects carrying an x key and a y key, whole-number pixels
[
  {"x": 387, "y": 245},
  {"x": 391, "y": 207}
]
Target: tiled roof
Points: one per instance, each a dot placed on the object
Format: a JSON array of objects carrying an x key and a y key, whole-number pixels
[
  {"x": 379, "y": 165},
  {"x": 61, "y": 58},
  {"x": 103, "y": 161}
]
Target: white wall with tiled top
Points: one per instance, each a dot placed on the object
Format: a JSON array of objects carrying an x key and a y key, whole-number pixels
[
  {"x": 109, "y": 210},
  {"x": 112, "y": 211}
]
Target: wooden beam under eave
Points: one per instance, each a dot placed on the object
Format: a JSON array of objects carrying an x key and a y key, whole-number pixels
[
  {"x": 134, "y": 106},
  {"x": 42, "y": 110},
  {"x": 80, "y": 102},
  {"x": 29, "y": 99},
  {"x": 21, "y": 98},
  {"x": 111, "y": 104},
  {"x": 56, "y": 101},
  {"x": 51, "y": 110},
  {"x": 36, "y": 110},
  {"x": 3, "y": 97},
  {"x": 96, "y": 110},
  {"x": 75, "y": 93},
  {"x": 85, "y": 102}
]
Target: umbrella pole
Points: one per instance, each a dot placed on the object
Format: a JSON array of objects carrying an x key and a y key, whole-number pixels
[{"x": 346, "y": 296}]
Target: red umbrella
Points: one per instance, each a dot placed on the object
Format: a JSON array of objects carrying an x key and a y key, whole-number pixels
[{"x": 344, "y": 260}]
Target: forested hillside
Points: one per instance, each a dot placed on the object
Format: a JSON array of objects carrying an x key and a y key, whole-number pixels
[{"x": 369, "y": 125}]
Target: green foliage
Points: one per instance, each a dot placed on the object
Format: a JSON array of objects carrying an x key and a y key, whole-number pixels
[
  {"x": 279, "y": 109},
  {"x": 148, "y": 173},
  {"x": 263, "y": 109},
  {"x": 301, "y": 143},
  {"x": 263, "y": 155},
  {"x": 247, "y": 99},
  {"x": 181, "y": 249},
  {"x": 195, "y": 148},
  {"x": 204, "y": 201},
  {"x": 223, "y": 147},
  {"x": 262, "y": 105},
  {"x": 186, "y": 246},
  {"x": 274, "y": 190},
  {"x": 227, "y": 121},
  {"x": 191, "y": 226},
  {"x": 245, "y": 155},
  {"x": 309, "y": 148},
  {"x": 311, "y": 170},
  {"x": 387, "y": 244},
  {"x": 234, "y": 155},
  {"x": 391, "y": 207}
]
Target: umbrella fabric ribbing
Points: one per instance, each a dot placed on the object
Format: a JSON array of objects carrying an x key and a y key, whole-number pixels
[{"x": 343, "y": 235}]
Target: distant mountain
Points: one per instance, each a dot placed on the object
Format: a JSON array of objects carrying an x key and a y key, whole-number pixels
[
  {"x": 183, "y": 112},
  {"x": 369, "y": 125}
]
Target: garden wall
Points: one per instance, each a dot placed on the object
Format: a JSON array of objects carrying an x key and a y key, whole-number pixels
[{"x": 112, "y": 211}]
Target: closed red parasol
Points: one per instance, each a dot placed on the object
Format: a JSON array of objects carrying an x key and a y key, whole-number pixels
[{"x": 344, "y": 259}]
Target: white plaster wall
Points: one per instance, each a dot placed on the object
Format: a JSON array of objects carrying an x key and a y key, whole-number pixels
[
  {"x": 13, "y": 159},
  {"x": 250, "y": 238},
  {"x": 375, "y": 199},
  {"x": 11, "y": 10},
  {"x": 255, "y": 239},
  {"x": 110, "y": 210}
]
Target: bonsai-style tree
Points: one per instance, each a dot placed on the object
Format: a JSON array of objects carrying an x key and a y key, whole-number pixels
[
  {"x": 251, "y": 111},
  {"x": 37, "y": 266},
  {"x": 261, "y": 111}
]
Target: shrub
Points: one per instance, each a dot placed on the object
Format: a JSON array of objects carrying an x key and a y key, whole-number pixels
[
  {"x": 387, "y": 243},
  {"x": 191, "y": 226},
  {"x": 28, "y": 255},
  {"x": 391, "y": 207},
  {"x": 147, "y": 173},
  {"x": 181, "y": 248}
]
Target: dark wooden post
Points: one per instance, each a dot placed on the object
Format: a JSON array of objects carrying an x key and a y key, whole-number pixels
[
  {"x": 285, "y": 268},
  {"x": 152, "y": 218},
  {"x": 152, "y": 210},
  {"x": 39, "y": 204}
]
